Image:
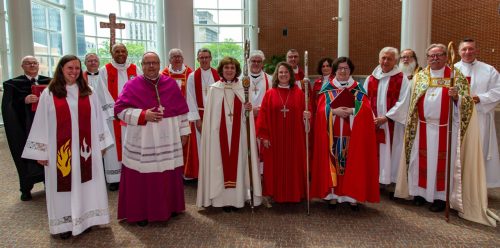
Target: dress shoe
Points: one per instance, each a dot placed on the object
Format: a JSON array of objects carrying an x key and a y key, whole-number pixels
[
  {"x": 65, "y": 235},
  {"x": 226, "y": 209},
  {"x": 437, "y": 206},
  {"x": 142, "y": 223},
  {"x": 418, "y": 201},
  {"x": 354, "y": 207},
  {"x": 26, "y": 196},
  {"x": 391, "y": 196},
  {"x": 113, "y": 186}
]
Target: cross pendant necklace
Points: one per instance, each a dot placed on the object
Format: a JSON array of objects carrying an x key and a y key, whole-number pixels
[
  {"x": 160, "y": 107},
  {"x": 284, "y": 109},
  {"x": 229, "y": 107}
]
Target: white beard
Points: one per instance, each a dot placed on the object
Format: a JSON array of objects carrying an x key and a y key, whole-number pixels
[{"x": 407, "y": 69}]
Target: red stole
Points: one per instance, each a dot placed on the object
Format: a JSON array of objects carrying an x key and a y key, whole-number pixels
[
  {"x": 198, "y": 89},
  {"x": 64, "y": 137},
  {"x": 443, "y": 139},
  {"x": 299, "y": 75},
  {"x": 113, "y": 90},
  {"x": 392, "y": 97},
  {"x": 183, "y": 77},
  {"x": 230, "y": 157}
]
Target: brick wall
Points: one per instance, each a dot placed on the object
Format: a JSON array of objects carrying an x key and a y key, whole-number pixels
[{"x": 373, "y": 25}]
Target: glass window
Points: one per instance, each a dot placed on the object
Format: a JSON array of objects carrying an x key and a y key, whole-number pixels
[
  {"x": 219, "y": 26},
  {"x": 47, "y": 38}
]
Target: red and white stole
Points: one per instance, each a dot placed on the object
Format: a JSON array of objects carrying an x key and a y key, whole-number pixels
[
  {"x": 113, "y": 90},
  {"x": 64, "y": 137},
  {"x": 443, "y": 138},
  {"x": 230, "y": 156},
  {"x": 198, "y": 89},
  {"x": 392, "y": 97}
]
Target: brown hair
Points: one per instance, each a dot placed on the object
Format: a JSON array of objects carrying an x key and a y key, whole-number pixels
[
  {"x": 291, "y": 81},
  {"x": 320, "y": 65},
  {"x": 58, "y": 84},
  {"x": 226, "y": 61}
]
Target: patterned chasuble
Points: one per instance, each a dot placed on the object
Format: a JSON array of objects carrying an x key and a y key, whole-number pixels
[{"x": 339, "y": 142}]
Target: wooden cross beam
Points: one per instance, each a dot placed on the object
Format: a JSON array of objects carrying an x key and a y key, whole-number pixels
[{"x": 112, "y": 25}]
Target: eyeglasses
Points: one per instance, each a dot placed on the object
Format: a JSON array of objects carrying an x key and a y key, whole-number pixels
[
  {"x": 406, "y": 57},
  {"x": 256, "y": 61},
  {"x": 30, "y": 63},
  {"x": 343, "y": 69},
  {"x": 150, "y": 63},
  {"x": 435, "y": 56}
]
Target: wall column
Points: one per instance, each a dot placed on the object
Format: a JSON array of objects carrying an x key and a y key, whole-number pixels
[
  {"x": 68, "y": 28},
  {"x": 343, "y": 29},
  {"x": 179, "y": 29},
  {"x": 20, "y": 33},
  {"x": 416, "y": 20}
]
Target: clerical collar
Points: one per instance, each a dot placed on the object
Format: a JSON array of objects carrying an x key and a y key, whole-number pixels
[
  {"x": 152, "y": 80},
  {"x": 296, "y": 70},
  {"x": 284, "y": 86},
  {"x": 471, "y": 63},
  {"x": 29, "y": 78},
  {"x": 93, "y": 73},
  {"x": 120, "y": 66},
  {"x": 437, "y": 73},
  {"x": 378, "y": 73},
  {"x": 183, "y": 67},
  {"x": 343, "y": 84},
  {"x": 255, "y": 76}
]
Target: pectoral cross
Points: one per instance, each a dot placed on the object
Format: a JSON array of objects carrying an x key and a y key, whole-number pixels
[
  {"x": 161, "y": 108},
  {"x": 255, "y": 90},
  {"x": 284, "y": 110},
  {"x": 112, "y": 25},
  {"x": 230, "y": 115}
]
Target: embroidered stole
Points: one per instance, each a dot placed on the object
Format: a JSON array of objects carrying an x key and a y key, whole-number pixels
[
  {"x": 198, "y": 89},
  {"x": 392, "y": 97},
  {"x": 443, "y": 138},
  {"x": 64, "y": 137},
  {"x": 113, "y": 90},
  {"x": 183, "y": 77},
  {"x": 230, "y": 157}
]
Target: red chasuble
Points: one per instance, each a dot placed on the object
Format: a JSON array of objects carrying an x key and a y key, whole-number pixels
[
  {"x": 285, "y": 160},
  {"x": 190, "y": 149},
  {"x": 113, "y": 90},
  {"x": 393, "y": 91},
  {"x": 64, "y": 140},
  {"x": 359, "y": 174},
  {"x": 198, "y": 89}
]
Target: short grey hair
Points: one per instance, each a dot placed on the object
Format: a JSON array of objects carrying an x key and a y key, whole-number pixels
[
  {"x": 388, "y": 49},
  {"x": 113, "y": 48},
  {"x": 90, "y": 54},
  {"x": 257, "y": 53},
  {"x": 174, "y": 51},
  {"x": 439, "y": 45}
]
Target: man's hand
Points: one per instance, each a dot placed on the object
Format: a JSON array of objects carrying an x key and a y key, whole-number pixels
[
  {"x": 266, "y": 143},
  {"x": 43, "y": 162},
  {"x": 184, "y": 139},
  {"x": 198, "y": 124},
  {"x": 476, "y": 99},
  {"x": 453, "y": 93},
  {"x": 248, "y": 106},
  {"x": 379, "y": 121},
  {"x": 153, "y": 116},
  {"x": 30, "y": 99}
]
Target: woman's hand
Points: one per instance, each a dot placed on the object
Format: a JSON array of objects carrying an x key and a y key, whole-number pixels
[
  {"x": 43, "y": 162},
  {"x": 266, "y": 143},
  {"x": 342, "y": 112}
]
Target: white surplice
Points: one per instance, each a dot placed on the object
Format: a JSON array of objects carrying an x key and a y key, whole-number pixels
[
  {"x": 432, "y": 113},
  {"x": 206, "y": 80},
  {"x": 390, "y": 155},
  {"x": 112, "y": 167},
  {"x": 87, "y": 203},
  {"x": 485, "y": 83},
  {"x": 211, "y": 191},
  {"x": 258, "y": 87}
]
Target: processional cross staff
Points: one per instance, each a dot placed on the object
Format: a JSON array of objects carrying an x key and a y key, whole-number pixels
[
  {"x": 451, "y": 62},
  {"x": 113, "y": 26},
  {"x": 307, "y": 124},
  {"x": 246, "y": 86}
]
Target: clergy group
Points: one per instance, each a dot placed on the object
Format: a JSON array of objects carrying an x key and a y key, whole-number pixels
[{"x": 247, "y": 138}]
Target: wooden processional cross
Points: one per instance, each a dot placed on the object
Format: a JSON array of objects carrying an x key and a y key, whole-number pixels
[{"x": 113, "y": 26}]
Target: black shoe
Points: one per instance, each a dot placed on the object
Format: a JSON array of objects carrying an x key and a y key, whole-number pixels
[
  {"x": 332, "y": 205},
  {"x": 234, "y": 209},
  {"x": 26, "y": 196},
  {"x": 391, "y": 196},
  {"x": 65, "y": 235},
  {"x": 355, "y": 207},
  {"x": 113, "y": 186},
  {"x": 88, "y": 230},
  {"x": 437, "y": 206},
  {"x": 142, "y": 223},
  {"x": 418, "y": 201},
  {"x": 226, "y": 209}
]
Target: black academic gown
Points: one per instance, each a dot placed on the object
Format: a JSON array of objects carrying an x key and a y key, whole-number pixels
[{"x": 18, "y": 117}]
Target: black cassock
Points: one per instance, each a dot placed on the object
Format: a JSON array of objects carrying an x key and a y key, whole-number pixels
[{"x": 18, "y": 117}]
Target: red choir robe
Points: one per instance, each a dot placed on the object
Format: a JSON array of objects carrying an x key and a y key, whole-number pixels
[
  {"x": 358, "y": 176},
  {"x": 191, "y": 160},
  {"x": 285, "y": 160}
]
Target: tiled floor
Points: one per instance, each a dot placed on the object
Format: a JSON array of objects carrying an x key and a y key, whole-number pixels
[{"x": 388, "y": 224}]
